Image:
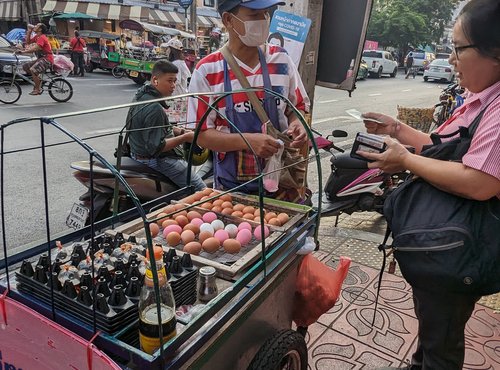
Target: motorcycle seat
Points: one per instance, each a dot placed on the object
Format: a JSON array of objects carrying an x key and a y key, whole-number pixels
[
  {"x": 130, "y": 164},
  {"x": 344, "y": 160}
]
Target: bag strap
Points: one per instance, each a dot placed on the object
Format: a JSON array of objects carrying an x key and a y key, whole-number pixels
[
  {"x": 382, "y": 247},
  {"x": 256, "y": 103}
]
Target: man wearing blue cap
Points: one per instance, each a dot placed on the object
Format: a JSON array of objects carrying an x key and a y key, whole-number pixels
[{"x": 264, "y": 66}]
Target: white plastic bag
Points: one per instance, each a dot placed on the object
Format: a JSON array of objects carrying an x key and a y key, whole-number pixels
[
  {"x": 272, "y": 169},
  {"x": 62, "y": 63}
]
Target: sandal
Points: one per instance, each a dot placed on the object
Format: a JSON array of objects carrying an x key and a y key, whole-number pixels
[{"x": 35, "y": 92}]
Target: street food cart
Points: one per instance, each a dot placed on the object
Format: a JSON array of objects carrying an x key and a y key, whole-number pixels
[
  {"x": 101, "y": 54},
  {"x": 48, "y": 315},
  {"x": 139, "y": 61}
]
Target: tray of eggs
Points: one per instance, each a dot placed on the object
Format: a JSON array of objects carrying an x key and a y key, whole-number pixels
[{"x": 224, "y": 240}]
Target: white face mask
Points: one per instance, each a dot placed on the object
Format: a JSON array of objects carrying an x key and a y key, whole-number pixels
[{"x": 256, "y": 32}]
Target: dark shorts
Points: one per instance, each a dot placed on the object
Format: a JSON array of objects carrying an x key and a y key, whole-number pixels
[{"x": 38, "y": 66}]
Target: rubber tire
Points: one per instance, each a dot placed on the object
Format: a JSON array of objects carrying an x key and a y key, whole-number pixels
[
  {"x": 89, "y": 67},
  {"x": 64, "y": 82},
  {"x": 395, "y": 72},
  {"x": 379, "y": 73},
  {"x": 274, "y": 350},
  {"x": 139, "y": 80},
  {"x": 118, "y": 72},
  {"x": 426, "y": 79},
  {"x": 14, "y": 85}
]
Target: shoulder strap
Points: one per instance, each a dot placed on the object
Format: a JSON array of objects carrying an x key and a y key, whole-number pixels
[{"x": 257, "y": 105}]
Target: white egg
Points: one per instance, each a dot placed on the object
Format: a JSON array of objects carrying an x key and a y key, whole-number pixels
[
  {"x": 217, "y": 225},
  {"x": 207, "y": 227},
  {"x": 232, "y": 230}
]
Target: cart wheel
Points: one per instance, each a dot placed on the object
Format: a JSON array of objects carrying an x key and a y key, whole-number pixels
[
  {"x": 139, "y": 80},
  {"x": 285, "y": 350},
  {"x": 118, "y": 72},
  {"x": 89, "y": 67}
]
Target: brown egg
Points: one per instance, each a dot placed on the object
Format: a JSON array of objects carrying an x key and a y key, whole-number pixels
[
  {"x": 190, "y": 199},
  {"x": 257, "y": 219},
  {"x": 248, "y": 216},
  {"x": 178, "y": 207},
  {"x": 218, "y": 202},
  {"x": 206, "y": 191},
  {"x": 205, "y": 197},
  {"x": 211, "y": 245},
  {"x": 168, "y": 223},
  {"x": 161, "y": 219},
  {"x": 283, "y": 218},
  {"x": 192, "y": 248},
  {"x": 237, "y": 213},
  {"x": 180, "y": 213},
  {"x": 204, "y": 235},
  {"x": 154, "y": 229},
  {"x": 182, "y": 220},
  {"x": 206, "y": 205},
  {"x": 169, "y": 209},
  {"x": 227, "y": 204},
  {"x": 194, "y": 228},
  {"x": 217, "y": 209},
  {"x": 214, "y": 193},
  {"x": 226, "y": 197},
  {"x": 270, "y": 215},
  {"x": 173, "y": 238},
  {"x": 227, "y": 211},
  {"x": 238, "y": 207},
  {"x": 257, "y": 212},
  {"x": 274, "y": 221},
  {"x": 248, "y": 209},
  {"x": 231, "y": 246},
  {"x": 187, "y": 236},
  {"x": 193, "y": 214}
]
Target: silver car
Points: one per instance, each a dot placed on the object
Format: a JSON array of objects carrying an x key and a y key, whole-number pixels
[
  {"x": 8, "y": 60},
  {"x": 439, "y": 69}
]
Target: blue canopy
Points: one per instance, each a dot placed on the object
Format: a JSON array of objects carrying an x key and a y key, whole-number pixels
[{"x": 16, "y": 34}]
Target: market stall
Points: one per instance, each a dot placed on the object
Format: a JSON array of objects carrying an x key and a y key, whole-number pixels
[{"x": 83, "y": 286}]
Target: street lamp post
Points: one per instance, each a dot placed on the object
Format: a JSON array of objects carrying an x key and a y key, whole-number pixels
[{"x": 186, "y": 4}]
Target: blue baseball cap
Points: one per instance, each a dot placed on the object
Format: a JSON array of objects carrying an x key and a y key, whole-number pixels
[{"x": 227, "y": 5}]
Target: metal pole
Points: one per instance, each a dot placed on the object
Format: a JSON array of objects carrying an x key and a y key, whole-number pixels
[
  {"x": 194, "y": 24},
  {"x": 186, "y": 17}
]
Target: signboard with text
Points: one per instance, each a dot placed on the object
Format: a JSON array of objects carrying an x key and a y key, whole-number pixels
[{"x": 185, "y": 3}]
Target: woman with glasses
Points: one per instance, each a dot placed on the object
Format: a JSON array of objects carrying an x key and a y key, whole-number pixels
[{"x": 443, "y": 314}]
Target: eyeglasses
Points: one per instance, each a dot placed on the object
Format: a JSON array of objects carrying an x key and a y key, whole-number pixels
[{"x": 458, "y": 49}]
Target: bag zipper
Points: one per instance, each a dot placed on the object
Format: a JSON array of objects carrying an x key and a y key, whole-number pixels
[
  {"x": 448, "y": 228},
  {"x": 438, "y": 248}
]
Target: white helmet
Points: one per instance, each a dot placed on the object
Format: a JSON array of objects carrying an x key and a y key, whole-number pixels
[{"x": 175, "y": 44}]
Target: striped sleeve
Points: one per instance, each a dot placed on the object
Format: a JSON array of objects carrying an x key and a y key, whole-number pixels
[
  {"x": 197, "y": 106},
  {"x": 484, "y": 152}
]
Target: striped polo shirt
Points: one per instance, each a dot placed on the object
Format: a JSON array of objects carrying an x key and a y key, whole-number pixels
[
  {"x": 484, "y": 152},
  {"x": 209, "y": 77}
]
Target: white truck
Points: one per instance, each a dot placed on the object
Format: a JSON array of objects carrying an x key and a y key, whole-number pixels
[{"x": 380, "y": 62}]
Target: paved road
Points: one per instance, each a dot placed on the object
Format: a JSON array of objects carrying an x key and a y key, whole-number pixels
[{"x": 24, "y": 204}]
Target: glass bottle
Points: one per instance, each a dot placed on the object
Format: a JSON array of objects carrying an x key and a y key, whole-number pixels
[{"x": 149, "y": 327}]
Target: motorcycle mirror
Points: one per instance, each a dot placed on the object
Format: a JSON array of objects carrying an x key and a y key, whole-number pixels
[{"x": 339, "y": 133}]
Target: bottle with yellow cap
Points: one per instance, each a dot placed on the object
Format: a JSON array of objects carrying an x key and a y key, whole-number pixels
[{"x": 149, "y": 327}]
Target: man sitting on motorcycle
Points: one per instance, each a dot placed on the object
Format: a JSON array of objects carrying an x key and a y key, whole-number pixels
[
  {"x": 41, "y": 47},
  {"x": 153, "y": 140}
]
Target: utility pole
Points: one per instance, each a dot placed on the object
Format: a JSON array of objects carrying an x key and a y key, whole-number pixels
[
  {"x": 311, "y": 9},
  {"x": 194, "y": 25}
]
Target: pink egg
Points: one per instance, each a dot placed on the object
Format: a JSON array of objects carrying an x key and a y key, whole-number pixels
[
  {"x": 222, "y": 235},
  {"x": 257, "y": 232},
  {"x": 197, "y": 221},
  {"x": 171, "y": 228},
  {"x": 244, "y": 236},
  {"x": 244, "y": 225},
  {"x": 209, "y": 217}
]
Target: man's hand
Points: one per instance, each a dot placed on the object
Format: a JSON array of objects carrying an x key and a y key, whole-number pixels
[
  {"x": 380, "y": 124},
  {"x": 392, "y": 160},
  {"x": 264, "y": 145},
  {"x": 188, "y": 136},
  {"x": 298, "y": 133}
]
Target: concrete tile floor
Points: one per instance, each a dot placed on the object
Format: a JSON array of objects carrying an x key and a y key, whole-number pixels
[{"x": 344, "y": 338}]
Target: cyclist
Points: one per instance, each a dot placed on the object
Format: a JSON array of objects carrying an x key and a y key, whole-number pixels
[{"x": 41, "y": 47}]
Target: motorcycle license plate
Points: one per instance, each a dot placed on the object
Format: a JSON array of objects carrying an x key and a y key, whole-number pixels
[
  {"x": 77, "y": 217},
  {"x": 134, "y": 73}
]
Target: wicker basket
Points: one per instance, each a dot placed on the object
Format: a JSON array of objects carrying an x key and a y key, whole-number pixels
[{"x": 418, "y": 118}]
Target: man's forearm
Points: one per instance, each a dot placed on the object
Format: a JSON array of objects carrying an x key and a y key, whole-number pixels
[
  {"x": 221, "y": 141},
  {"x": 172, "y": 142}
]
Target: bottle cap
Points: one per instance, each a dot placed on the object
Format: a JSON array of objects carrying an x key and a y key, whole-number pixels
[{"x": 158, "y": 251}]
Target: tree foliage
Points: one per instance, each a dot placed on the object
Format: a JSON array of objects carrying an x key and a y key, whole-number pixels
[{"x": 409, "y": 23}]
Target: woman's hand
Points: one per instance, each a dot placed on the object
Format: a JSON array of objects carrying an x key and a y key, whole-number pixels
[
  {"x": 391, "y": 160},
  {"x": 298, "y": 133},
  {"x": 380, "y": 124}
]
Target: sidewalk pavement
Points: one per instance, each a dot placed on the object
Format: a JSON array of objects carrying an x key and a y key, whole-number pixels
[{"x": 344, "y": 338}]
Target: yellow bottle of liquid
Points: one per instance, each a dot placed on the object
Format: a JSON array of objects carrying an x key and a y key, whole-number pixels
[{"x": 149, "y": 327}]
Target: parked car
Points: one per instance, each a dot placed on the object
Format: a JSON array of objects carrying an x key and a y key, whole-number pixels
[
  {"x": 439, "y": 69},
  {"x": 443, "y": 55},
  {"x": 421, "y": 59},
  {"x": 7, "y": 58},
  {"x": 362, "y": 71},
  {"x": 380, "y": 62}
]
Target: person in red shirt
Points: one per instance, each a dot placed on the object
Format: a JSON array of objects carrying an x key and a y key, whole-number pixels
[
  {"x": 76, "y": 45},
  {"x": 41, "y": 47}
]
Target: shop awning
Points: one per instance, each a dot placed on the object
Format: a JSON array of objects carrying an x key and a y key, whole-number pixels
[
  {"x": 98, "y": 10},
  {"x": 10, "y": 10},
  {"x": 75, "y": 15}
]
